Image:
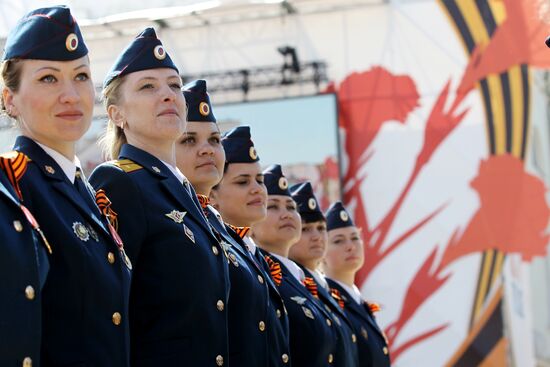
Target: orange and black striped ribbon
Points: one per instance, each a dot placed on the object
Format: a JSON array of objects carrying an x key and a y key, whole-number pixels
[
  {"x": 373, "y": 307},
  {"x": 104, "y": 205},
  {"x": 275, "y": 270},
  {"x": 203, "y": 200},
  {"x": 14, "y": 164},
  {"x": 311, "y": 286},
  {"x": 241, "y": 231},
  {"x": 335, "y": 293}
]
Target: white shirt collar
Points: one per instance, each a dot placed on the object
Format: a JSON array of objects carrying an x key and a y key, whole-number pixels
[
  {"x": 294, "y": 269},
  {"x": 354, "y": 292},
  {"x": 250, "y": 244},
  {"x": 319, "y": 278},
  {"x": 176, "y": 172},
  {"x": 67, "y": 166}
]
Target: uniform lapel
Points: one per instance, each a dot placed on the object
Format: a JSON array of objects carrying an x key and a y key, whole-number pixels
[
  {"x": 167, "y": 180},
  {"x": 59, "y": 181},
  {"x": 358, "y": 309},
  {"x": 326, "y": 297},
  {"x": 294, "y": 283}
]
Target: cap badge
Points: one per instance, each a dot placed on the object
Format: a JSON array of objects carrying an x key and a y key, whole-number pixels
[
  {"x": 344, "y": 216},
  {"x": 81, "y": 231},
  {"x": 311, "y": 203},
  {"x": 159, "y": 52},
  {"x": 252, "y": 153},
  {"x": 283, "y": 183},
  {"x": 71, "y": 42},
  {"x": 204, "y": 108}
]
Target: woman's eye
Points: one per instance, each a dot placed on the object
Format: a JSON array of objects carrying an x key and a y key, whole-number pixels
[
  {"x": 242, "y": 183},
  {"x": 48, "y": 79},
  {"x": 188, "y": 140},
  {"x": 337, "y": 242},
  {"x": 291, "y": 208},
  {"x": 260, "y": 181},
  {"x": 305, "y": 229},
  {"x": 175, "y": 86},
  {"x": 146, "y": 86},
  {"x": 272, "y": 206},
  {"x": 215, "y": 140},
  {"x": 82, "y": 77}
]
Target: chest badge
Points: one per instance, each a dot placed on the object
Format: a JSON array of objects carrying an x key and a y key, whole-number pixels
[
  {"x": 176, "y": 216},
  {"x": 81, "y": 231},
  {"x": 189, "y": 233}
]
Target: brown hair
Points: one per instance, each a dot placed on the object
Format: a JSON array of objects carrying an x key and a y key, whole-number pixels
[
  {"x": 10, "y": 72},
  {"x": 113, "y": 138}
]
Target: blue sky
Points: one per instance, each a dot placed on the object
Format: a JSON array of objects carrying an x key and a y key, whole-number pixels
[{"x": 288, "y": 131}]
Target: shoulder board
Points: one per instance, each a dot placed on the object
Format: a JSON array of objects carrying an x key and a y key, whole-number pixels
[{"x": 126, "y": 165}]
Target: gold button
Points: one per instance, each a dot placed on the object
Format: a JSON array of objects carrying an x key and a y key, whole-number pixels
[
  {"x": 111, "y": 258},
  {"x": 285, "y": 358},
  {"x": 17, "y": 225},
  {"x": 330, "y": 358},
  {"x": 117, "y": 318},
  {"x": 353, "y": 338},
  {"x": 278, "y": 313},
  {"x": 27, "y": 362},
  {"x": 385, "y": 350},
  {"x": 329, "y": 323},
  {"x": 260, "y": 279},
  {"x": 219, "y": 360},
  {"x": 220, "y": 305},
  {"x": 261, "y": 325},
  {"x": 215, "y": 250},
  {"x": 29, "y": 292}
]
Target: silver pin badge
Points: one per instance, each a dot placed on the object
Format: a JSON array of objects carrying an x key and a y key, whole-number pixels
[
  {"x": 81, "y": 231},
  {"x": 189, "y": 233},
  {"x": 176, "y": 216}
]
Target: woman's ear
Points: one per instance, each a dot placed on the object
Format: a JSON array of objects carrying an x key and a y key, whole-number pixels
[
  {"x": 116, "y": 115},
  {"x": 8, "y": 100}
]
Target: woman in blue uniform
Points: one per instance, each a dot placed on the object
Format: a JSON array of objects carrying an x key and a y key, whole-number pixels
[
  {"x": 23, "y": 266},
  {"x": 180, "y": 286},
  {"x": 344, "y": 258},
  {"x": 49, "y": 92},
  {"x": 308, "y": 253},
  {"x": 254, "y": 328},
  {"x": 312, "y": 334}
]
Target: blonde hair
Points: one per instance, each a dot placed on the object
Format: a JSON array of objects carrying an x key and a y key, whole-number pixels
[
  {"x": 10, "y": 72},
  {"x": 113, "y": 138}
]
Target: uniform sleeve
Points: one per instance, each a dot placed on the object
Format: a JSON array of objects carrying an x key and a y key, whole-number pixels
[{"x": 127, "y": 202}]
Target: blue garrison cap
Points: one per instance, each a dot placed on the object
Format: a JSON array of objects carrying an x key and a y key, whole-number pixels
[
  {"x": 46, "y": 34},
  {"x": 275, "y": 181},
  {"x": 238, "y": 146},
  {"x": 198, "y": 102},
  {"x": 308, "y": 206},
  {"x": 143, "y": 53},
  {"x": 338, "y": 217}
]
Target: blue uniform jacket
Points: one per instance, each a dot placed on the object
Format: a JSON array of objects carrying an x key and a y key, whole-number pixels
[
  {"x": 23, "y": 269},
  {"x": 180, "y": 284},
  {"x": 346, "y": 349},
  {"x": 371, "y": 342},
  {"x": 258, "y": 324},
  {"x": 312, "y": 334},
  {"x": 85, "y": 297}
]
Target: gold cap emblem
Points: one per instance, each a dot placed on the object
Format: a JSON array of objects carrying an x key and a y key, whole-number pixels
[
  {"x": 252, "y": 153},
  {"x": 159, "y": 52},
  {"x": 204, "y": 108},
  {"x": 71, "y": 42},
  {"x": 283, "y": 183},
  {"x": 311, "y": 203},
  {"x": 344, "y": 216}
]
